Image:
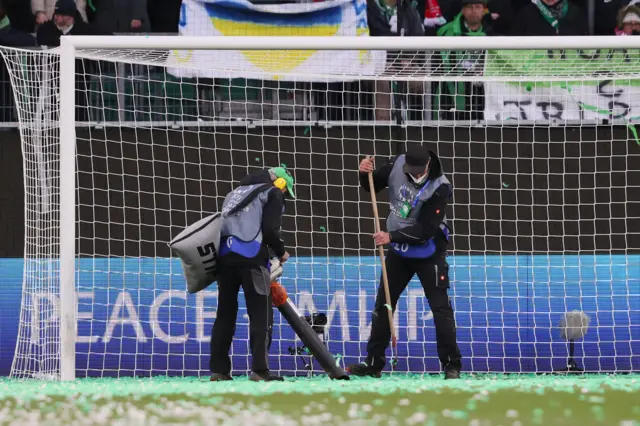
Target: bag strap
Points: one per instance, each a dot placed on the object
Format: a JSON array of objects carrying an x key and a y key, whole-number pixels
[{"x": 249, "y": 198}]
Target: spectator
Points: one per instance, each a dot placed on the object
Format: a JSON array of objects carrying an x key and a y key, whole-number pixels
[
  {"x": 19, "y": 12},
  {"x": 502, "y": 13},
  {"x": 383, "y": 17},
  {"x": 389, "y": 18},
  {"x": 471, "y": 21},
  {"x": 9, "y": 37},
  {"x": 66, "y": 21},
  {"x": 123, "y": 16},
  {"x": 607, "y": 14},
  {"x": 44, "y": 10},
  {"x": 462, "y": 100},
  {"x": 628, "y": 21},
  {"x": 550, "y": 17}
]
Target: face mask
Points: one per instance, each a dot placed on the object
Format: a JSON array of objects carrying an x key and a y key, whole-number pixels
[{"x": 422, "y": 179}]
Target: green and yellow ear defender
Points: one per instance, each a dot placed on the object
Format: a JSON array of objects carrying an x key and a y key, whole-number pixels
[{"x": 280, "y": 183}]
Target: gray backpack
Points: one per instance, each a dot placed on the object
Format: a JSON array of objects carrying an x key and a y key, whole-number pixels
[{"x": 197, "y": 247}]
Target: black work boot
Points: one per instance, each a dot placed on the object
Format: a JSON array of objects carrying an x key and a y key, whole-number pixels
[
  {"x": 451, "y": 372},
  {"x": 264, "y": 376},
  {"x": 219, "y": 377},
  {"x": 364, "y": 370}
]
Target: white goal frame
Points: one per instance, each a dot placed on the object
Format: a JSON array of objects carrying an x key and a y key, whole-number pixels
[{"x": 68, "y": 54}]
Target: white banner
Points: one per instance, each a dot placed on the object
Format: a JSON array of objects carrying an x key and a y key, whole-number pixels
[
  {"x": 579, "y": 97},
  {"x": 221, "y": 18},
  {"x": 587, "y": 100}
]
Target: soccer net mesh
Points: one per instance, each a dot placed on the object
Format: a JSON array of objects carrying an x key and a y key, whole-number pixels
[{"x": 539, "y": 146}]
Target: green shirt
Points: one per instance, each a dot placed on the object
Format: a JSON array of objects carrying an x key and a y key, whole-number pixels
[{"x": 4, "y": 22}]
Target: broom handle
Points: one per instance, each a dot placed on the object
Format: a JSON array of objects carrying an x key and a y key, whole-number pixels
[{"x": 385, "y": 280}]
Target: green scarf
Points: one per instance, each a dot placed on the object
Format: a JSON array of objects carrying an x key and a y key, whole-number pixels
[
  {"x": 450, "y": 59},
  {"x": 549, "y": 16},
  {"x": 387, "y": 11},
  {"x": 4, "y": 22}
]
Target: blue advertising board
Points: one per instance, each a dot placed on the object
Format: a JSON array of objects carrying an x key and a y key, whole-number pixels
[{"x": 135, "y": 317}]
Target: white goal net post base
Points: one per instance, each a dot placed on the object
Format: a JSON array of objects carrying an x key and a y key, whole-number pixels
[{"x": 530, "y": 241}]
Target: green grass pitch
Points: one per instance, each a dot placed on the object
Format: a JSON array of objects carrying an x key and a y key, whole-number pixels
[{"x": 398, "y": 399}]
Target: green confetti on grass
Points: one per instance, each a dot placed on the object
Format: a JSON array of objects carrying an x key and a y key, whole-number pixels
[
  {"x": 538, "y": 415},
  {"x": 194, "y": 400},
  {"x": 598, "y": 413},
  {"x": 459, "y": 414}
]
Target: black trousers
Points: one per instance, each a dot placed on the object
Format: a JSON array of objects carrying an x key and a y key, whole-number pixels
[
  {"x": 434, "y": 277},
  {"x": 255, "y": 282}
]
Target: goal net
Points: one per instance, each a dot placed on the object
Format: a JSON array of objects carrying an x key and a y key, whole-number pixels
[{"x": 540, "y": 147}]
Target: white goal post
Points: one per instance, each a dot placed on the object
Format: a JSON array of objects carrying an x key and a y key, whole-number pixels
[{"x": 530, "y": 269}]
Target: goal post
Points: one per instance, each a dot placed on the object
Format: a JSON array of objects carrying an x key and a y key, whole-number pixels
[
  {"x": 532, "y": 240},
  {"x": 68, "y": 303}
]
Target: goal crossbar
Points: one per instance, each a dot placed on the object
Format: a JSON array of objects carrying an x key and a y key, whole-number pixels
[{"x": 350, "y": 43}]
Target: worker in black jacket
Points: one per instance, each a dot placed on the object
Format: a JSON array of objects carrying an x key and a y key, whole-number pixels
[
  {"x": 249, "y": 233},
  {"x": 418, "y": 235}
]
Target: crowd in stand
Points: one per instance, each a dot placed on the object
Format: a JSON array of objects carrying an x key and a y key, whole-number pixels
[
  {"x": 30, "y": 23},
  {"x": 121, "y": 16},
  {"x": 436, "y": 17},
  {"x": 514, "y": 17}
]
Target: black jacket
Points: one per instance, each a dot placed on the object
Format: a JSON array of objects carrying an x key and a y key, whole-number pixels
[
  {"x": 272, "y": 211},
  {"x": 530, "y": 22},
  {"x": 408, "y": 19},
  {"x": 606, "y": 15},
  {"x": 49, "y": 35},
  {"x": 11, "y": 37},
  {"x": 431, "y": 214},
  {"x": 20, "y": 15},
  {"x": 164, "y": 15}
]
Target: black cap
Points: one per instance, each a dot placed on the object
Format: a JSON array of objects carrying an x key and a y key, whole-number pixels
[
  {"x": 66, "y": 8},
  {"x": 469, "y": 2},
  {"x": 416, "y": 159}
]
